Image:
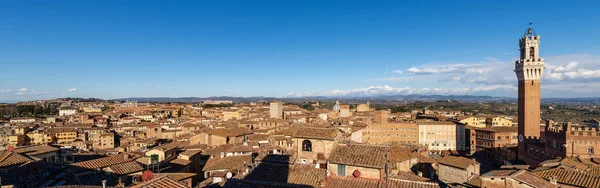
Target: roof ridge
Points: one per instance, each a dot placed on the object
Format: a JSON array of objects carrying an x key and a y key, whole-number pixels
[{"x": 412, "y": 181}]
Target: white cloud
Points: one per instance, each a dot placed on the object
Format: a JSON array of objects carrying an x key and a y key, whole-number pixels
[
  {"x": 398, "y": 71},
  {"x": 389, "y": 90},
  {"x": 25, "y": 92},
  {"x": 577, "y": 69},
  {"x": 564, "y": 68},
  {"x": 72, "y": 90},
  {"x": 478, "y": 68}
]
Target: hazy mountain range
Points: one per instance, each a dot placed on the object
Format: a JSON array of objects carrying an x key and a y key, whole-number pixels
[{"x": 373, "y": 99}]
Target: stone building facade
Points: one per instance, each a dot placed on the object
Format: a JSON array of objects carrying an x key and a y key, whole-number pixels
[
  {"x": 276, "y": 109},
  {"x": 566, "y": 140}
]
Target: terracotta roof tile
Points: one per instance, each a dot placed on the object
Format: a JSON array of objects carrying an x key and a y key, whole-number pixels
[
  {"x": 396, "y": 183},
  {"x": 12, "y": 158},
  {"x": 364, "y": 155},
  {"x": 299, "y": 174},
  {"x": 232, "y": 132},
  {"x": 239, "y": 148},
  {"x": 160, "y": 182},
  {"x": 458, "y": 162},
  {"x": 409, "y": 176},
  {"x": 227, "y": 163},
  {"x": 532, "y": 179},
  {"x": 346, "y": 182},
  {"x": 104, "y": 162},
  {"x": 180, "y": 162},
  {"x": 316, "y": 132},
  {"x": 35, "y": 150},
  {"x": 126, "y": 168},
  {"x": 179, "y": 176},
  {"x": 474, "y": 181},
  {"x": 570, "y": 177},
  {"x": 349, "y": 182},
  {"x": 190, "y": 153}
]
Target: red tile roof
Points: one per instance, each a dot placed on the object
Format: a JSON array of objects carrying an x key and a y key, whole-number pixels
[
  {"x": 350, "y": 182},
  {"x": 458, "y": 162},
  {"x": 364, "y": 155},
  {"x": 317, "y": 133},
  {"x": 104, "y": 162},
  {"x": 180, "y": 162},
  {"x": 35, "y": 150},
  {"x": 306, "y": 175},
  {"x": 570, "y": 177},
  {"x": 126, "y": 168},
  {"x": 227, "y": 163},
  {"x": 12, "y": 158},
  {"x": 161, "y": 182}
]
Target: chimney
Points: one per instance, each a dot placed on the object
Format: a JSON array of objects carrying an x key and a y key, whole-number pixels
[
  {"x": 103, "y": 183},
  {"x": 126, "y": 156}
]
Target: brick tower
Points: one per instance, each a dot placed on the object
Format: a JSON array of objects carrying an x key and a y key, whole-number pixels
[{"x": 529, "y": 69}]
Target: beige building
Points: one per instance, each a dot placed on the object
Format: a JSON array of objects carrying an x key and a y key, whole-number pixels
[
  {"x": 276, "y": 109},
  {"x": 345, "y": 110},
  {"x": 104, "y": 141},
  {"x": 315, "y": 144},
  {"x": 232, "y": 114},
  {"x": 498, "y": 122},
  {"x": 474, "y": 121},
  {"x": 66, "y": 136},
  {"x": 41, "y": 137},
  {"x": 399, "y": 132},
  {"x": 165, "y": 152},
  {"x": 442, "y": 135},
  {"x": 363, "y": 107},
  {"x": 457, "y": 169},
  {"x": 358, "y": 160}
]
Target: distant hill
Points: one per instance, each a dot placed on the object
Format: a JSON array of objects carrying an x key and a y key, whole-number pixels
[
  {"x": 372, "y": 99},
  {"x": 464, "y": 98}
]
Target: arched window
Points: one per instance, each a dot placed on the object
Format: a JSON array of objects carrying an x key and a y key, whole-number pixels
[
  {"x": 590, "y": 150},
  {"x": 306, "y": 145},
  {"x": 532, "y": 52}
]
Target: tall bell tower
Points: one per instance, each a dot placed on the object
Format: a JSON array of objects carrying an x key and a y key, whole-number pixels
[{"x": 529, "y": 69}]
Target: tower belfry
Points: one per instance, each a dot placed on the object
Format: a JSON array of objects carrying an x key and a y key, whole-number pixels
[{"x": 529, "y": 69}]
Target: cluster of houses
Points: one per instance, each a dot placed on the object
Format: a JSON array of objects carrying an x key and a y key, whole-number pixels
[{"x": 258, "y": 144}]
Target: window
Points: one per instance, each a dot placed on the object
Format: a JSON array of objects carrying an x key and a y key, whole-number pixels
[
  {"x": 341, "y": 170},
  {"x": 531, "y": 52},
  {"x": 590, "y": 150},
  {"x": 306, "y": 145}
]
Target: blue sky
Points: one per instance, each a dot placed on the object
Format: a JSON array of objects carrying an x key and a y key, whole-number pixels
[{"x": 113, "y": 49}]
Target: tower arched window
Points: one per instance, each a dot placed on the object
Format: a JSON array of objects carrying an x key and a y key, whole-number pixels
[
  {"x": 590, "y": 150},
  {"x": 306, "y": 145},
  {"x": 532, "y": 52}
]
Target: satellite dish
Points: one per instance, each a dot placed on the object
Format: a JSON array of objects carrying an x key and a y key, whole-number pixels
[{"x": 229, "y": 175}]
